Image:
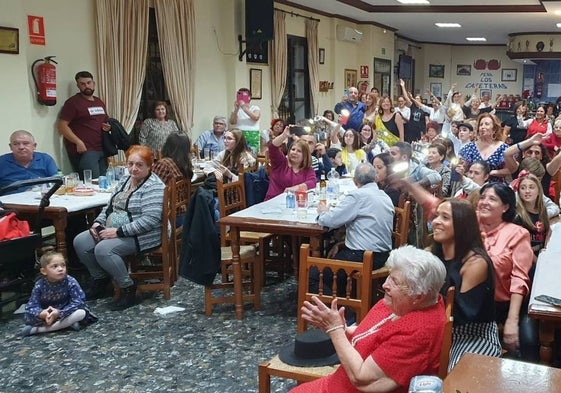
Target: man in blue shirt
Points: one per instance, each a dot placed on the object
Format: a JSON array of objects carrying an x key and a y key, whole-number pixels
[
  {"x": 24, "y": 162},
  {"x": 213, "y": 140},
  {"x": 355, "y": 108}
]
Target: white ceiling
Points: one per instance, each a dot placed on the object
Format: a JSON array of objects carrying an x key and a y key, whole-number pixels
[{"x": 493, "y": 20}]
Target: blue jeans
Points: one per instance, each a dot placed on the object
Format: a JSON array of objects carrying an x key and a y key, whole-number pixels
[{"x": 94, "y": 160}]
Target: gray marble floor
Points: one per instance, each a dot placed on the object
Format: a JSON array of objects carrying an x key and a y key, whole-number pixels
[{"x": 140, "y": 351}]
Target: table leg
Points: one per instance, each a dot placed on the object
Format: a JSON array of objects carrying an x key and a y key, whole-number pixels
[
  {"x": 59, "y": 223},
  {"x": 546, "y": 334},
  {"x": 236, "y": 267}
]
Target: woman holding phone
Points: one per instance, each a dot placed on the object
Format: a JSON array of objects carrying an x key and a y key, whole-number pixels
[{"x": 245, "y": 116}]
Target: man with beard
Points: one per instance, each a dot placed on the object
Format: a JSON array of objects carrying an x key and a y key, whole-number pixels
[{"x": 81, "y": 122}]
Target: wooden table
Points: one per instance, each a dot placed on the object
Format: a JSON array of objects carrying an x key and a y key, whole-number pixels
[
  {"x": 485, "y": 374},
  {"x": 60, "y": 208},
  {"x": 271, "y": 217}
]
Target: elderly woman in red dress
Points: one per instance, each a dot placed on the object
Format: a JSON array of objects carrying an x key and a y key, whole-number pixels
[{"x": 400, "y": 337}]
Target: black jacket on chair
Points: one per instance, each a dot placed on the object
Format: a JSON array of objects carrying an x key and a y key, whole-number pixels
[
  {"x": 116, "y": 139},
  {"x": 200, "y": 245}
]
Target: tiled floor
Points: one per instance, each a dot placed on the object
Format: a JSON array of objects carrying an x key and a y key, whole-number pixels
[{"x": 139, "y": 351}]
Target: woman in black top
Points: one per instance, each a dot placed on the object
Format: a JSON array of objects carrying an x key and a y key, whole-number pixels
[{"x": 457, "y": 242}]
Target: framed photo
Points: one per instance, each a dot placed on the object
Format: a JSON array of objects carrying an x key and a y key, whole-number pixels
[
  {"x": 436, "y": 90},
  {"x": 321, "y": 55},
  {"x": 436, "y": 71},
  {"x": 463, "y": 69},
  {"x": 9, "y": 40},
  {"x": 350, "y": 78},
  {"x": 484, "y": 92},
  {"x": 508, "y": 75},
  {"x": 255, "y": 79}
]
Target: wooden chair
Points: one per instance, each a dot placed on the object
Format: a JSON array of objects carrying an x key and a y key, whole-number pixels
[
  {"x": 399, "y": 238},
  {"x": 231, "y": 199},
  {"x": 180, "y": 200},
  {"x": 158, "y": 276},
  {"x": 357, "y": 272},
  {"x": 447, "y": 337}
]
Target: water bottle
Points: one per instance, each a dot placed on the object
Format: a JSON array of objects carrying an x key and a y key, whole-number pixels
[
  {"x": 290, "y": 200},
  {"x": 110, "y": 174},
  {"x": 332, "y": 184}
]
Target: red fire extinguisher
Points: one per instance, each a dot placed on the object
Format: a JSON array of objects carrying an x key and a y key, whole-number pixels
[{"x": 46, "y": 84}]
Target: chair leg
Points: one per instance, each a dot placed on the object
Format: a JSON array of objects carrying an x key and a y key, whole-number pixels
[
  {"x": 264, "y": 378},
  {"x": 208, "y": 301}
]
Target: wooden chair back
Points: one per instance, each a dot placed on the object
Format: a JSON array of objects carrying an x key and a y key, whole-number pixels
[
  {"x": 180, "y": 200},
  {"x": 159, "y": 275},
  {"x": 447, "y": 336},
  {"x": 231, "y": 198},
  {"x": 357, "y": 272},
  {"x": 401, "y": 224}
]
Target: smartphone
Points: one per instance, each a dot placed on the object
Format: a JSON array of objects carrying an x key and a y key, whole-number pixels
[
  {"x": 549, "y": 300},
  {"x": 242, "y": 96},
  {"x": 296, "y": 130},
  {"x": 99, "y": 228},
  {"x": 346, "y": 92}
]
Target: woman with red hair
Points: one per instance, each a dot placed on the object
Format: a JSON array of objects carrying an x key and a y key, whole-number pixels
[{"x": 129, "y": 224}]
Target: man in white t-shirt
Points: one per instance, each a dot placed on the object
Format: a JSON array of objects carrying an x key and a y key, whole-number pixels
[{"x": 245, "y": 117}]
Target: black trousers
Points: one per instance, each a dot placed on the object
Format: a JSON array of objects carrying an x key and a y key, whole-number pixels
[{"x": 527, "y": 331}]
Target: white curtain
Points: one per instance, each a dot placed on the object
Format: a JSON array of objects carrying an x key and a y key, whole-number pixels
[
  {"x": 122, "y": 34},
  {"x": 175, "y": 20},
  {"x": 278, "y": 62},
  {"x": 313, "y": 61}
]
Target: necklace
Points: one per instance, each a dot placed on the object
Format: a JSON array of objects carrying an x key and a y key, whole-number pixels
[{"x": 392, "y": 317}]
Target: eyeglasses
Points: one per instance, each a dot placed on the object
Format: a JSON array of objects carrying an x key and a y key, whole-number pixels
[
  {"x": 230, "y": 138},
  {"x": 219, "y": 124}
]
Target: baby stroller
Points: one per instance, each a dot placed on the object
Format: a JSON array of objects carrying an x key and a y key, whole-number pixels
[{"x": 17, "y": 264}]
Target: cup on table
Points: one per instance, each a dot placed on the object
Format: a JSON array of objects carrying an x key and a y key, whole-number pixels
[
  {"x": 206, "y": 153},
  {"x": 88, "y": 177},
  {"x": 71, "y": 181}
]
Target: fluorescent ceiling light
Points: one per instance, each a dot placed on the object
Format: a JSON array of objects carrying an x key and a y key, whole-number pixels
[
  {"x": 413, "y": 1},
  {"x": 558, "y": 25},
  {"x": 476, "y": 38},
  {"x": 448, "y": 25}
]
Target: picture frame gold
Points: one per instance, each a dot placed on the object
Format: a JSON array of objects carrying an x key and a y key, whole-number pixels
[
  {"x": 350, "y": 78},
  {"x": 9, "y": 40},
  {"x": 255, "y": 83}
]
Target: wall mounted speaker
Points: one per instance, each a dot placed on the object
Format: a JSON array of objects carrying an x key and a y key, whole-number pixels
[{"x": 259, "y": 20}]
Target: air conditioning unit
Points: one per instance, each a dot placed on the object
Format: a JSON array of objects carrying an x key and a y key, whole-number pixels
[{"x": 345, "y": 33}]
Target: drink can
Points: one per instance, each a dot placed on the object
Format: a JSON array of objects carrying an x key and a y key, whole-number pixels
[
  {"x": 425, "y": 384},
  {"x": 102, "y": 181}
]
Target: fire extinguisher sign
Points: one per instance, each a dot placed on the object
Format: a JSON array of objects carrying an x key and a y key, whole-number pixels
[{"x": 36, "y": 28}]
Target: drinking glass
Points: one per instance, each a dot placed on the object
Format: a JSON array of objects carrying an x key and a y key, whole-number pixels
[{"x": 88, "y": 177}]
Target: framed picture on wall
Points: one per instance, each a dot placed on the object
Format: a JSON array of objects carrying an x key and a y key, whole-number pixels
[
  {"x": 484, "y": 92},
  {"x": 321, "y": 55},
  {"x": 350, "y": 78},
  {"x": 436, "y": 71},
  {"x": 436, "y": 89},
  {"x": 463, "y": 70},
  {"x": 255, "y": 86},
  {"x": 508, "y": 75}
]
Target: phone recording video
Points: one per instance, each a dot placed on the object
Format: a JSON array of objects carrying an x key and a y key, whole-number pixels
[
  {"x": 296, "y": 130},
  {"x": 242, "y": 96}
]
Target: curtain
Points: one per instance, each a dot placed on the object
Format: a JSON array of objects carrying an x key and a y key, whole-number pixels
[
  {"x": 278, "y": 62},
  {"x": 175, "y": 20},
  {"x": 313, "y": 61},
  {"x": 121, "y": 56}
]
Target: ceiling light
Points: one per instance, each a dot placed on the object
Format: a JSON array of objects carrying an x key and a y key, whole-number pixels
[
  {"x": 448, "y": 25},
  {"x": 413, "y": 1},
  {"x": 558, "y": 25},
  {"x": 476, "y": 38}
]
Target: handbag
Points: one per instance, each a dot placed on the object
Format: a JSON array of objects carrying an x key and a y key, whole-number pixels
[{"x": 12, "y": 228}]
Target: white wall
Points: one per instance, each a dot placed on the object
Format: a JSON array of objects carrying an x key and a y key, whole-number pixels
[
  {"x": 71, "y": 40},
  {"x": 218, "y": 72}
]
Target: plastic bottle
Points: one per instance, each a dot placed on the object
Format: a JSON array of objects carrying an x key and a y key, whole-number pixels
[
  {"x": 332, "y": 184},
  {"x": 322, "y": 189},
  {"x": 110, "y": 174},
  {"x": 290, "y": 200}
]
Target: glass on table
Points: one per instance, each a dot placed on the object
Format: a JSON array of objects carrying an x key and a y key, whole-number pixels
[
  {"x": 88, "y": 177},
  {"x": 71, "y": 181}
]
